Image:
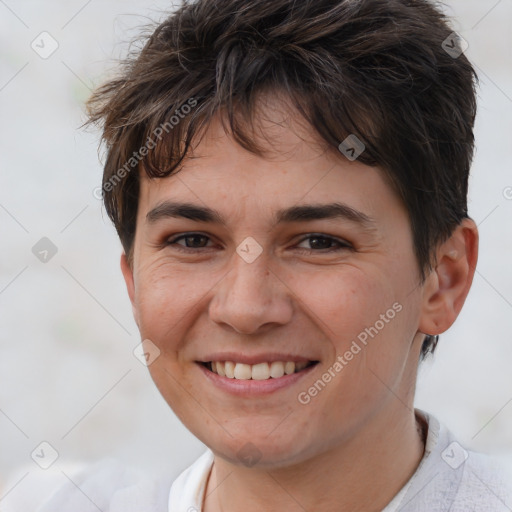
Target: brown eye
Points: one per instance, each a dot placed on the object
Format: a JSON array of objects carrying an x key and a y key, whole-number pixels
[
  {"x": 324, "y": 243},
  {"x": 191, "y": 241}
]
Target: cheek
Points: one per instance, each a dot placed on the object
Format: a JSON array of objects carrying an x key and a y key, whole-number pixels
[
  {"x": 343, "y": 302},
  {"x": 166, "y": 295},
  {"x": 364, "y": 317}
]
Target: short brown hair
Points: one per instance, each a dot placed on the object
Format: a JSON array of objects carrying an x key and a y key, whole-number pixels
[{"x": 377, "y": 69}]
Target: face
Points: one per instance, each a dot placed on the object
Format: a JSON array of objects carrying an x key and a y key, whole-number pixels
[{"x": 300, "y": 257}]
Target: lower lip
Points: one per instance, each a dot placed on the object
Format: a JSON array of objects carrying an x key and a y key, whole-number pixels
[{"x": 251, "y": 387}]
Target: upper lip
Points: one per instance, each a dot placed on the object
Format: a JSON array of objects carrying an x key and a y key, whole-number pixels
[{"x": 254, "y": 358}]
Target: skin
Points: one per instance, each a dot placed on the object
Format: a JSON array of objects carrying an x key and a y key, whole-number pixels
[{"x": 356, "y": 443}]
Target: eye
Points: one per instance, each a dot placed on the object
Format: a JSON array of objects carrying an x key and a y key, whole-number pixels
[
  {"x": 192, "y": 241},
  {"x": 319, "y": 242}
]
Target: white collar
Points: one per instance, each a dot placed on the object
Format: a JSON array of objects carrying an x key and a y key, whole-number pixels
[{"x": 187, "y": 491}]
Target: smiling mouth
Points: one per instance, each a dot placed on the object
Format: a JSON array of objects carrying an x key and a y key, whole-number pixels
[{"x": 260, "y": 371}]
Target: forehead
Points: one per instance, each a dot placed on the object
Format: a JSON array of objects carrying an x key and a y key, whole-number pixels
[{"x": 297, "y": 167}]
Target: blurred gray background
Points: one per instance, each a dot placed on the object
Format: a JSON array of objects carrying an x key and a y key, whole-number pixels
[{"x": 68, "y": 375}]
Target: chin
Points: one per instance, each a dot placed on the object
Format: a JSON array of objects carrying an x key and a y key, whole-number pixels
[{"x": 261, "y": 453}]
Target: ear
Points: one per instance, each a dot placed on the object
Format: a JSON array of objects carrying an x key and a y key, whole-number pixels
[
  {"x": 446, "y": 288},
  {"x": 130, "y": 286}
]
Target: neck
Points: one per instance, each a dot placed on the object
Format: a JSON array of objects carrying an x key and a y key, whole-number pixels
[{"x": 363, "y": 473}]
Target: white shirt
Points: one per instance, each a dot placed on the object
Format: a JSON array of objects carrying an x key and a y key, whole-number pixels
[{"x": 448, "y": 478}]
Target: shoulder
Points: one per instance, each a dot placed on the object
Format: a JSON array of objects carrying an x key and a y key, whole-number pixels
[
  {"x": 106, "y": 485},
  {"x": 453, "y": 478},
  {"x": 486, "y": 484}
]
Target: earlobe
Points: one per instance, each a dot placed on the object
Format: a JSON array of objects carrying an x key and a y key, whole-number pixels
[
  {"x": 130, "y": 285},
  {"x": 448, "y": 285}
]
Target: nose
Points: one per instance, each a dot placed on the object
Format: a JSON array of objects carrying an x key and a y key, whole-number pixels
[{"x": 251, "y": 297}]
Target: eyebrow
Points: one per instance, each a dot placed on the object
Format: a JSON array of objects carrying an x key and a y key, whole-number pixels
[{"x": 298, "y": 213}]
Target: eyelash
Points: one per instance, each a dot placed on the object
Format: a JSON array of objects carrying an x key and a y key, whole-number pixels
[{"x": 342, "y": 245}]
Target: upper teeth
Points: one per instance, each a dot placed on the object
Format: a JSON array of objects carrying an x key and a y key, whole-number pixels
[{"x": 260, "y": 371}]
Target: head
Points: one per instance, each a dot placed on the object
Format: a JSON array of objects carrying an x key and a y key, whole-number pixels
[{"x": 231, "y": 126}]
